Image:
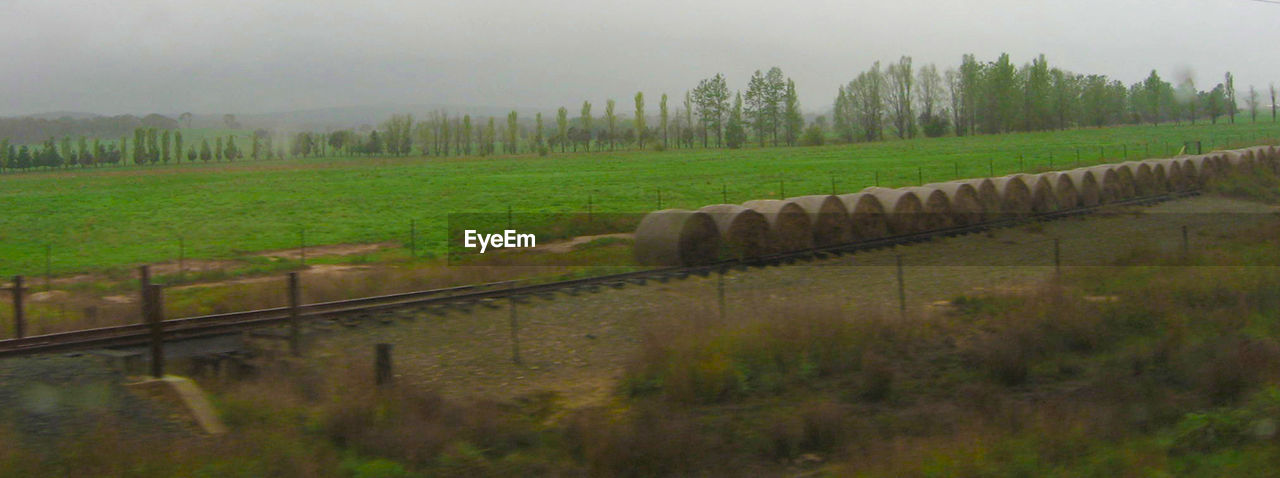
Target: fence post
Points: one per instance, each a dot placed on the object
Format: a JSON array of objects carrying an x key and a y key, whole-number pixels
[
  {"x": 919, "y": 176},
  {"x": 155, "y": 323},
  {"x": 833, "y": 185},
  {"x": 382, "y": 364},
  {"x": 991, "y": 167},
  {"x": 144, "y": 281},
  {"x": 302, "y": 246},
  {"x": 1022, "y": 164},
  {"x": 295, "y": 302},
  {"x": 877, "y": 182},
  {"x": 902, "y": 289},
  {"x": 782, "y": 189},
  {"x": 724, "y": 193},
  {"x": 19, "y": 320},
  {"x": 956, "y": 164}
]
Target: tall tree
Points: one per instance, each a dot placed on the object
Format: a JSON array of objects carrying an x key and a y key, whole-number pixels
[
  {"x": 901, "y": 81},
  {"x": 164, "y": 146},
  {"x": 793, "y": 121},
  {"x": 1252, "y": 101},
  {"x": 537, "y": 138},
  {"x": 205, "y": 153},
  {"x": 491, "y": 131},
  {"x": 867, "y": 102},
  {"x": 177, "y": 145},
  {"x": 735, "y": 133},
  {"x": 153, "y": 145},
  {"x": 712, "y": 98},
  {"x": 662, "y": 119},
  {"x": 757, "y": 106},
  {"x": 687, "y": 136},
  {"x": 639, "y": 122},
  {"x": 586, "y": 125},
  {"x": 512, "y": 132},
  {"x": 929, "y": 93},
  {"x": 611, "y": 120},
  {"x": 1229, "y": 96},
  {"x": 775, "y": 96},
  {"x": 217, "y": 149},
  {"x": 562, "y": 127}
]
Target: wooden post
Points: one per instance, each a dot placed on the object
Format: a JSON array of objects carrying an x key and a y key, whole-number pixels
[
  {"x": 833, "y": 185},
  {"x": 382, "y": 364},
  {"x": 919, "y": 176},
  {"x": 155, "y": 322},
  {"x": 991, "y": 167},
  {"x": 902, "y": 288},
  {"x": 295, "y": 302},
  {"x": 144, "y": 281},
  {"x": 877, "y": 183},
  {"x": 1022, "y": 164},
  {"x": 19, "y": 320},
  {"x": 782, "y": 189},
  {"x": 724, "y": 193}
]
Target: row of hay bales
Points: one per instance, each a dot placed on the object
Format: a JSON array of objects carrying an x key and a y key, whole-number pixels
[{"x": 673, "y": 237}]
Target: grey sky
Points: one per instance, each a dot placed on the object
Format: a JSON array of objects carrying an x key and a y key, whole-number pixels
[{"x": 140, "y": 56}]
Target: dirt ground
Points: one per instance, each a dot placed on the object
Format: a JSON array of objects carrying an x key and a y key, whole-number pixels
[{"x": 578, "y": 345}]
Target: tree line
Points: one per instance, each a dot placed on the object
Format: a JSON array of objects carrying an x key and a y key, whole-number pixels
[
  {"x": 893, "y": 100},
  {"x": 147, "y": 146}
]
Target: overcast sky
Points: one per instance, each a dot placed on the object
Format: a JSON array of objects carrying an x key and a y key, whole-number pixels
[{"x": 212, "y": 57}]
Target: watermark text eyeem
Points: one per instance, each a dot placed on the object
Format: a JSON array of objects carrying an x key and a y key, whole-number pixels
[{"x": 508, "y": 239}]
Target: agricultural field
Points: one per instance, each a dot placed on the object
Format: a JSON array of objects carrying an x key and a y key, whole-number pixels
[{"x": 110, "y": 219}]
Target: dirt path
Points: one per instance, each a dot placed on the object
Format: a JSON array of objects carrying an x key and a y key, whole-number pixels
[{"x": 578, "y": 346}]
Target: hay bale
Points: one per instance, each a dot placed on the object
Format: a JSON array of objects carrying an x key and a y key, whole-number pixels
[
  {"x": 676, "y": 237},
  {"x": 867, "y": 216},
  {"x": 1177, "y": 178},
  {"x": 1144, "y": 180},
  {"x": 937, "y": 213},
  {"x": 830, "y": 219},
  {"x": 1238, "y": 160},
  {"x": 1064, "y": 189},
  {"x": 1088, "y": 192},
  {"x": 1043, "y": 198},
  {"x": 789, "y": 226},
  {"x": 1203, "y": 167},
  {"x": 1191, "y": 170},
  {"x": 966, "y": 208},
  {"x": 743, "y": 233},
  {"x": 987, "y": 196},
  {"x": 1159, "y": 171},
  {"x": 1015, "y": 196},
  {"x": 902, "y": 208},
  {"x": 1128, "y": 188},
  {"x": 1110, "y": 187}
]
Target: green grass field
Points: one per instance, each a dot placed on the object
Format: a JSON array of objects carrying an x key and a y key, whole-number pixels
[{"x": 112, "y": 218}]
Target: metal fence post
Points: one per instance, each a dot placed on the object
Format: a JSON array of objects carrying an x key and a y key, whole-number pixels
[
  {"x": 155, "y": 322},
  {"x": 295, "y": 302}
]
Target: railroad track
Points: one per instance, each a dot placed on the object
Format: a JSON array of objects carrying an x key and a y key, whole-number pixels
[{"x": 219, "y": 324}]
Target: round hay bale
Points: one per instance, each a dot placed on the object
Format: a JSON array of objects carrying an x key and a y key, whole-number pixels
[
  {"x": 1129, "y": 188},
  {"x": 789, "y": 226},
  {"x": 1160, "y": 172},
  {"x": 676, "y": 237},
  {"x": 1144, "y": 180},
  {"x": 1088, "y": 192},
  {"x": 966, "y": 208},
  {"x": 867, "y": 216},
  {"x": 937, "y": 213},
  {"x": 1064, "y": 189},
  {"x": 987, "y": 196},
  {"x": 743, "y": 233},
  {"x": 1203, "y": 168},
  {"x": 1043, "y": 198},
  {"x": 902, "y": 208},
  {"x": 1110, "y": 187},
  {"x": 1015, "y": 196},
  {"x": 1175, "y": 174},
  {"x": 1238, "y": 160},
  {"x": 830, "y": 219}
]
